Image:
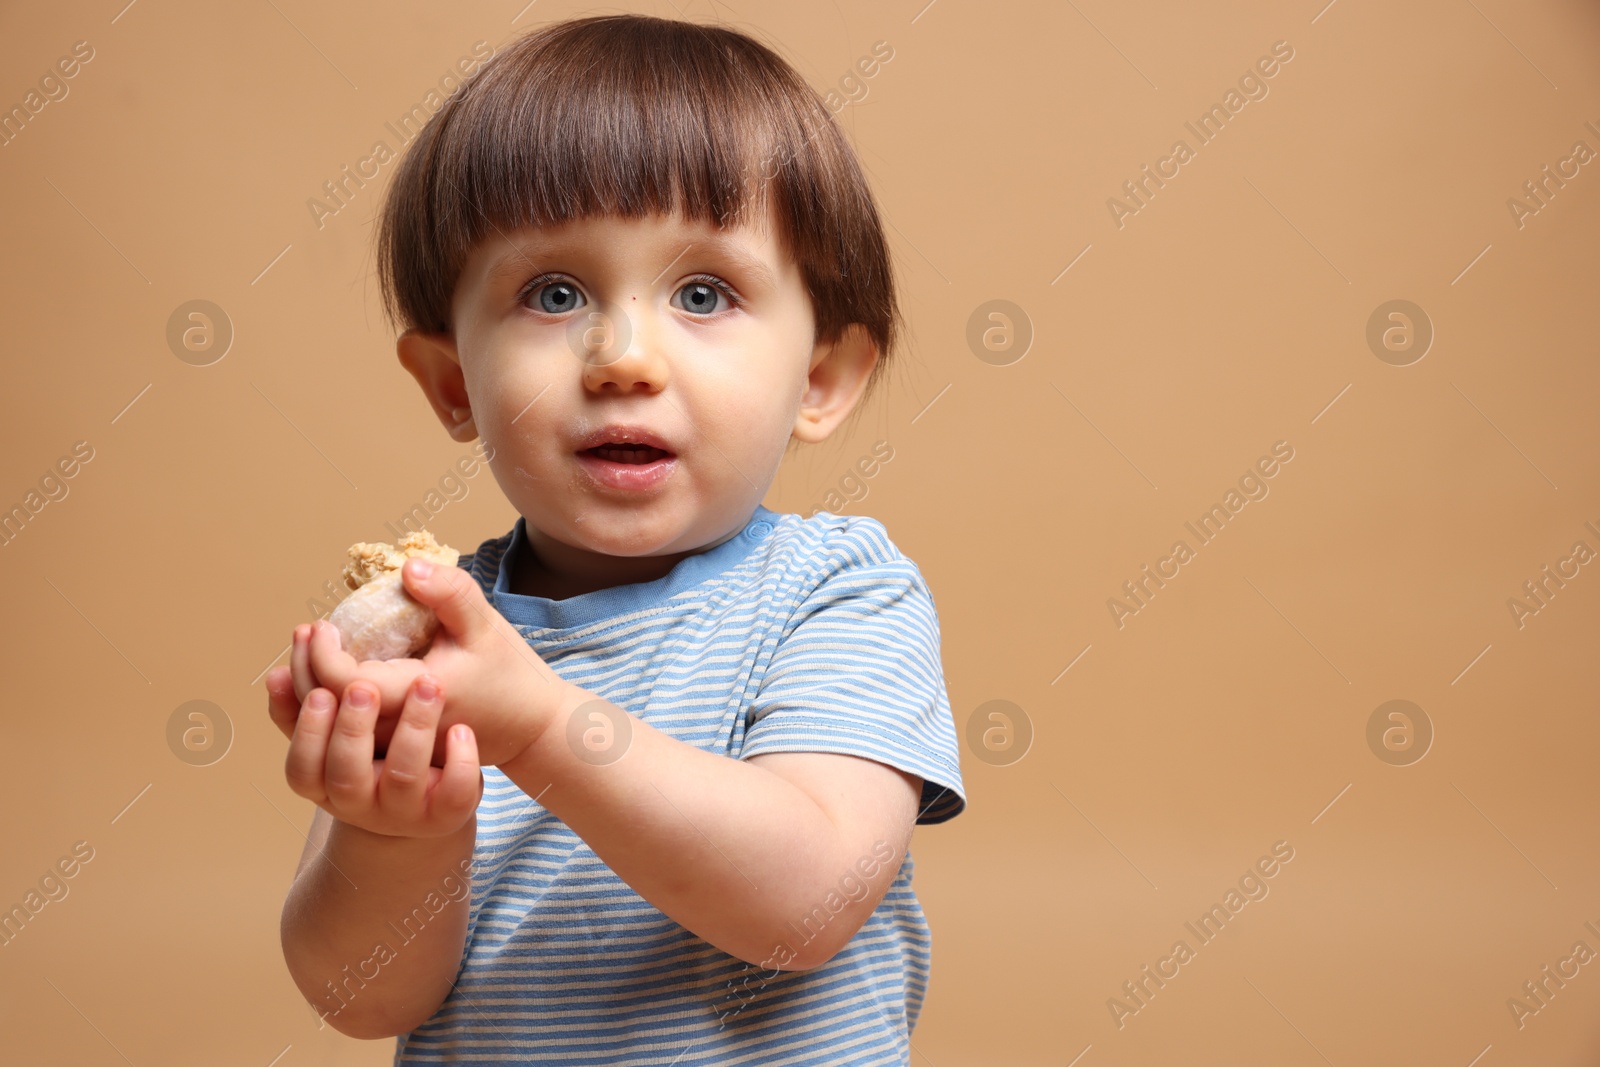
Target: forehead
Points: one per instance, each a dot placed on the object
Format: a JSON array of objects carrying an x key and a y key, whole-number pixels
[{"x": 658, "y": 239}]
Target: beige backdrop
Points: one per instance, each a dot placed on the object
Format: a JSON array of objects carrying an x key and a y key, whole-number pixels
[{"x": 1045, "y": 451}]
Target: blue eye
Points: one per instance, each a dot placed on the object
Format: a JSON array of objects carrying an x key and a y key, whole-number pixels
[
  {"x": 702, "y": 293},
  {"x": 556, "y": 297}
]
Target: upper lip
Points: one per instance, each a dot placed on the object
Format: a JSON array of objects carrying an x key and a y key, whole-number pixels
[{"x": 619, "y": 434}]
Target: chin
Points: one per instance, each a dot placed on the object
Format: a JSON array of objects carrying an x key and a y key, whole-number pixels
[{"x": 619, "y": 533}]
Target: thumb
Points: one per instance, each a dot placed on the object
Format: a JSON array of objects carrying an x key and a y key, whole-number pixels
[{"x": 453, "y": 594}]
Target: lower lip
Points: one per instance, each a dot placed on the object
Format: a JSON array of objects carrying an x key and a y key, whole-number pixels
[{"x": 632, "y": 477}]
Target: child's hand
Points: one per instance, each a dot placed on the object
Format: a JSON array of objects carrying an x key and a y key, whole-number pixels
[
  {"x": 330, "y": 762},
  {"x": 497, "y": 684},
  {"x": 288, "y": 687}
]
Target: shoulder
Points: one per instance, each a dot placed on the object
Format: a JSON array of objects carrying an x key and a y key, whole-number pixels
[
  {"x": 832, "y": 545},
  {"x": 828, "y": 560},
  {"x": 484, "y": 563}
]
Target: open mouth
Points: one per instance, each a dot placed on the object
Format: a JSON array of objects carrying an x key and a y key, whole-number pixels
[{"x": 628, "y": 453}]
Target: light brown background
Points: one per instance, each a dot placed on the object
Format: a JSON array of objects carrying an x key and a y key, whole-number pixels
[{"x": 1225, "y": 316}]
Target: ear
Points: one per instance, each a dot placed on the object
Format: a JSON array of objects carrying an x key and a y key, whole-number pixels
[
  {"x": 433, "y": 362},
  {"x": 838, "y": 377}
]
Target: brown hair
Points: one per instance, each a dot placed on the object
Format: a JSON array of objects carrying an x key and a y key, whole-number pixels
[{"x": 628, "y": 115}]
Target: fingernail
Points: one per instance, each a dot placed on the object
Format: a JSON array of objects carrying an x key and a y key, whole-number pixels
[
  {"x": 426, "y": 689},
  {"x": 421, "y": 568},
  {"x": 360, "y": 697},
  {"x": 321, "y": 700}
]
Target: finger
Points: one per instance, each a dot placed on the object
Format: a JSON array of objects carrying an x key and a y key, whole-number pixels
[
  {"x": 305, "y": 765},
  {"x": 403, "y": 786},
  {"x": 392, "y": 679},
  {"x": 453, "y": 594},
  {"x": 283, "y": 708},
  {"x": 332, "y": 665},
  {"x": 348, "y": 774},
  {"x": 299, "y": 665},
  {"x": 460, "y": 786}
]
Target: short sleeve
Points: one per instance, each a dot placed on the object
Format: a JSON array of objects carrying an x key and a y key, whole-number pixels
[{"x": 858, "y": 672}]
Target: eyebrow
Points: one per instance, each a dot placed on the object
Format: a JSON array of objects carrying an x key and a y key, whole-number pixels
[{"x": 522, "y": 260}]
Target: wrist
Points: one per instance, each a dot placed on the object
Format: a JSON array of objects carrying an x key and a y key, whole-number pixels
[
  {"x": 420, "y": 847},
  {"x": 556, "y": 708}
]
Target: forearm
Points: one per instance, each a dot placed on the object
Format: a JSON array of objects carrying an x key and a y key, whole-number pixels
[
  {"x": 360, "y": 934},
  {"x": 728, "y": 849}
]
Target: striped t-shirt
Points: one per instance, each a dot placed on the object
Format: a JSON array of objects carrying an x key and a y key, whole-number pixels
[{"x": 794, "y": 635}]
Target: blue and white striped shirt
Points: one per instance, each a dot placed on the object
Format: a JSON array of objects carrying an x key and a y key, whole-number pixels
[{"x": 795, "y": 635}]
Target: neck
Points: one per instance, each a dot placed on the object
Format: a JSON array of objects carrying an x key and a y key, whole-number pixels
[{"x": 557, "y": 571}]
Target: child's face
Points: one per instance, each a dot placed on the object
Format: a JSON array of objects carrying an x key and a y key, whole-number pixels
[{"x": 724, "y": 383}]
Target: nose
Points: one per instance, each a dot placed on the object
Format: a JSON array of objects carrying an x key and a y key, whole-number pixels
[{"x": 620, "y": 351}]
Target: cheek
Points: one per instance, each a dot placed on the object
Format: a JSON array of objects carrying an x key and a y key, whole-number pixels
[
  {"x": 747, "y": 409},
  {"x": 759, "y": 363},
  {"x": 743, "y": 416},
  {"x": 501, "y": 382}
]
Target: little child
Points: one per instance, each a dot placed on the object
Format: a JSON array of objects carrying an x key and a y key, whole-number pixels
[{"x": 648, "y": 797}]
